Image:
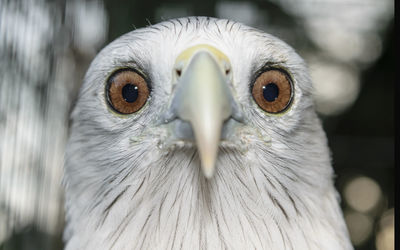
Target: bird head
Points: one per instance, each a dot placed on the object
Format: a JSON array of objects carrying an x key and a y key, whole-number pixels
[{"x": 201, "y": 110}]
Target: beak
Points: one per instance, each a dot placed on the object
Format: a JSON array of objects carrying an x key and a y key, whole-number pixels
[{"x": 203, "y": 99}]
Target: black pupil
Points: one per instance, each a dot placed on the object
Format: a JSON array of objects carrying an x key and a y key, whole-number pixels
[
  {"x": 270, "y": 92},
  {"x": 130, "y": 92}
]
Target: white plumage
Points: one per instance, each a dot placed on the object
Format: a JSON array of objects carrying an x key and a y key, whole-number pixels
[{"x": 135, "y": 181}]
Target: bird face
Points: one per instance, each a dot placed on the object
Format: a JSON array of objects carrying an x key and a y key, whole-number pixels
[
  {"x": 199, "y": 115},
  {"x": 206, "y": 91}
]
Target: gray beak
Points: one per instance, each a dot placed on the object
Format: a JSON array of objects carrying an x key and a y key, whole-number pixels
[{"x": 204, "y": 100}]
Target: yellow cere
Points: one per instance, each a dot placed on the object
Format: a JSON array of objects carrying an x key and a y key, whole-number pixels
[{"x": 187, "y": 54}]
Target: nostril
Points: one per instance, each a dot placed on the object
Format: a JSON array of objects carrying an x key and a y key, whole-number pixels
[
  {"x": 179, "y": 72},
  {"x": 182, "y": 130},
  {"x": 228, "y": 128},
  {"x": 227, "y": 71}
]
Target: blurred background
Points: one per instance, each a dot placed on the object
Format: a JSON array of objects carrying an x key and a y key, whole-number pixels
[{"x": 46, "y": 47}]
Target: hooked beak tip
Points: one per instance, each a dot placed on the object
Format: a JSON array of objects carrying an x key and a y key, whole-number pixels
[{"x": 208, "y": 170}]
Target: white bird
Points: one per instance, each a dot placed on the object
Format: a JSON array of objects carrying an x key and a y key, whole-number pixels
[{"x": 199, "y": 133}]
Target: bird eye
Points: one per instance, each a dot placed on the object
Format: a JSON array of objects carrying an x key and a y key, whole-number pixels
[
  {"x": 272, "y": 91},
  {"x": 127, "y": 91}
]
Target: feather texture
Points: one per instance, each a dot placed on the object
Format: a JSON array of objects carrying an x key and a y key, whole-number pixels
[{"x": 127, "y": 186}]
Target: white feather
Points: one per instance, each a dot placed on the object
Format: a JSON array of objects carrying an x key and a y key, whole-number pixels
[{"x": 128, "y": 187}]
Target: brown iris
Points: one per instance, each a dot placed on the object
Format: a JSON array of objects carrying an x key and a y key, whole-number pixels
[
  {"x": 272, "y": 91},
  {"x": 127, "y": 91}
]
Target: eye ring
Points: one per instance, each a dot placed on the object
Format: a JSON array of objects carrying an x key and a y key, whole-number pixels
[
  {"x": 273, "y": 90},
  {"x": 126, "y": 91}
]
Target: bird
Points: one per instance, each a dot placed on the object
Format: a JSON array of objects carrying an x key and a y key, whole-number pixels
[{"x": 199, "y": 133}]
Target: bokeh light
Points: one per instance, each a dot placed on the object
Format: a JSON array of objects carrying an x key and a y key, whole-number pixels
[
  {"x": 362, "y": 194},
  {"x": 385, "y": 235},
  {"x": 359, "y": 225},
  {"x": 89, "y": 23},
  {"x": 336, "y": 86}
]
